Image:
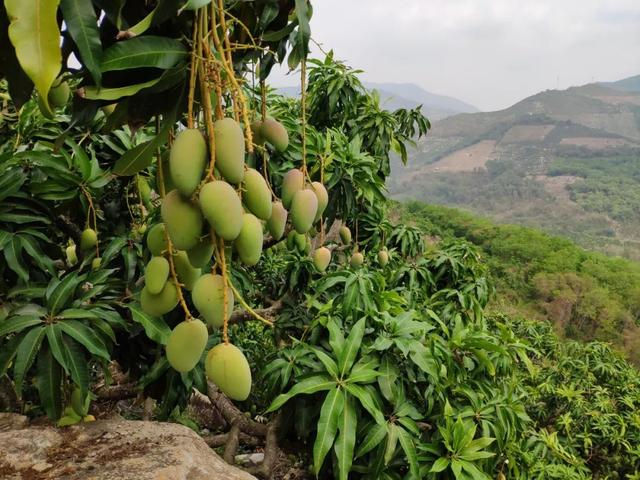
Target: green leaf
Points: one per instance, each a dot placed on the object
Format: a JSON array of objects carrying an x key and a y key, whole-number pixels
[
  {"x": 13, "y": 255},
  {"x": 375, "y": 435},
  {"x": 62, "y": 293},
  {"x": 8, "y": 351},
  {"x": 35, "y": 35},
  {"x": 116, "y": 93},
  {"x": 155, "y": 328},
  {"x": 351, "y": 347},
  {"x": 366, "y": 400},
  {"x": 387, "y": 379},
  {"x": 327, "y": 426},
  {"x": 86, "y": 337},
  {"x": 327, "y": 361},
  {"x": 25, "y": 355},
  {"x": 77, "y": 364},
  {"x": 48, "y": 382},
  {"x": 409, "y": 448},
  {"x": 141, "y": 156},
  {"x": 312, "y": 384},
  {"x": 440, "y": 465},
  {"x": 145, "y": 51},
  {"x": 81, "y": 21},
  {"x": 195, "y": 4},
  {"x": 392, "y": 442},
  {"x": 345, "y": 443},
  {"x": 18, "y": 323},
  {"x": 54, "y": 338}
]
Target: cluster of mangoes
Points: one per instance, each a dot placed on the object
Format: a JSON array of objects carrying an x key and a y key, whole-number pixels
[
  {"x": 205, "y": 208},
  {"x": 88, "y": 241}
]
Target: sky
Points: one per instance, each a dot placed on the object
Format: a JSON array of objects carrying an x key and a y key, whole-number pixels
[{"x": 490, "y": 53}]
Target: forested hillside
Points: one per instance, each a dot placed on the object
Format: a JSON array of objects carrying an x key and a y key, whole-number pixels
[{"x": 585, "y": 295}]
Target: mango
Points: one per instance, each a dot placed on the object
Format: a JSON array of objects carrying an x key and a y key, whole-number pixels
[
  {"x": 383, "y": 257},
  {"x": 163, "y": 302},
  {"x": 208, "y": 297},
  {"x": 256, "y": 131},
  {"x": 72, "y": 257},
  {"x": 323, "y": 198},
  {"x": 156, "y": 243},
  {"x": 187, "y": 274},
  {"x": 186, "y": 344},
  {"x": 228, "y": 368},
  {"x": 300, "y": 241},
  {"x": 187, "y": 160},
  {"x": 256, "y": 194},
  {"x": 275, "y": 133},
  {"x": 95, "y": 263},
  {"x": 249, "y": 242},
  {"x": 229, "y": 140},
  {"x": 292, "y": 182},
  {"x": 182, "y": 220},
  {"x": 108, "y": 109},
  {"x": 291, "y": 240},
  {"x": 156, "y": 274},
  {"x": 200, "y": 255},
  {"x": 345, "y": 235},
  {"x": 88, "y": 239},
  {"x": 357, "y": 259},
  {"x": 144, "y": 190},
  {"x": 322, "y": 258},
  {"x": 222, "y": 208},
  {"x": 278, "y": 220},
  {"x": 59, "y": 94},
  {"x": 303, "y": 210}
]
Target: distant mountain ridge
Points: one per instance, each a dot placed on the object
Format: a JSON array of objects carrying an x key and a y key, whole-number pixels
[
  {"x": 567, "y": 161},
  {"x": 408, "y": 95}
]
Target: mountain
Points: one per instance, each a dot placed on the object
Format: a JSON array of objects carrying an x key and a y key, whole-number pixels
[
  {"x": 567, "y": 161},
  {"x": 408, "y": 95},
  {"x": 630, "y": 84},
  {"x": 414, "y": 93}
]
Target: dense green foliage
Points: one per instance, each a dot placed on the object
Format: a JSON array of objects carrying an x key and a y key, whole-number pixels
[
  {"x": 607, "y": 184},
  {"x": 589, "y": 296},
  {"x": 401, "y": 370}
]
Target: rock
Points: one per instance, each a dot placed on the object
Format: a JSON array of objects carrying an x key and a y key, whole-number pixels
[
  {"x": 12, "y": 421},
  {"x": 112, "y": 450},
  {"x": 250, "y": 459}
]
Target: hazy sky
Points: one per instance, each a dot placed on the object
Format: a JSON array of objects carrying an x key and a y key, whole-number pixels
[{"x": 490, "y": 53}]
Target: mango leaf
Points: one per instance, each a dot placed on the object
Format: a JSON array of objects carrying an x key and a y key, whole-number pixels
[
  {"x": 48, "y": 381},
  {"x": 77, "y": 363},
  {"x": 195, "y": 4},
  {"x": 327, "y": 426},
  {"x": 54, "y": 338},
  {"x": 155, "y": 328},
  {"x": 13, "y": 255},
  {"x": 346, "y": 440},
  {"x": 116, "y": 93},
  {"x": 35, "y": 35},
  {"x": 81, "y": 21},
  {"x": 25, "y": 355},
  {"x": 141, "y": 156},
  {"x": 63, "y": 291},
  {"x": 375, "y": 435},
  {"x": 313, "y": 384},
  {"x": 18, "y": 323},
  {"x": 85, "y": 336},
  {"x": 351, "y": 347},
  {"x": 409, "y": 448},
  {"x": 146, "y": 51}
]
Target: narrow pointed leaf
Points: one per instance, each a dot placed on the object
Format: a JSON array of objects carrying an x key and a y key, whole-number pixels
[
  {"x": 313, "y": 384},
  {"x": 145, "y": 51},
  {"x": 155, "y": 328},
  {"x": 85, "y": 336},
  {"x": 81, "y": 21},
  {"x": 351, "y": 347},
  {"x": 77, "y": 364},
  {"x": 18, "y": 323},
  {"x": 346, "y": 441},
  {"x": 327, "y": 426},
  {"x": 375, "y": 435},
  {"x": 48, "y": 382},
  {"x": 409, "y": 448},
  {"x": 25, "y": 355}
]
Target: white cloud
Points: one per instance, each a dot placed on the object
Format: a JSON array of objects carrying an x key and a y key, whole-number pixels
[{"x": 491, "y": 53}]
